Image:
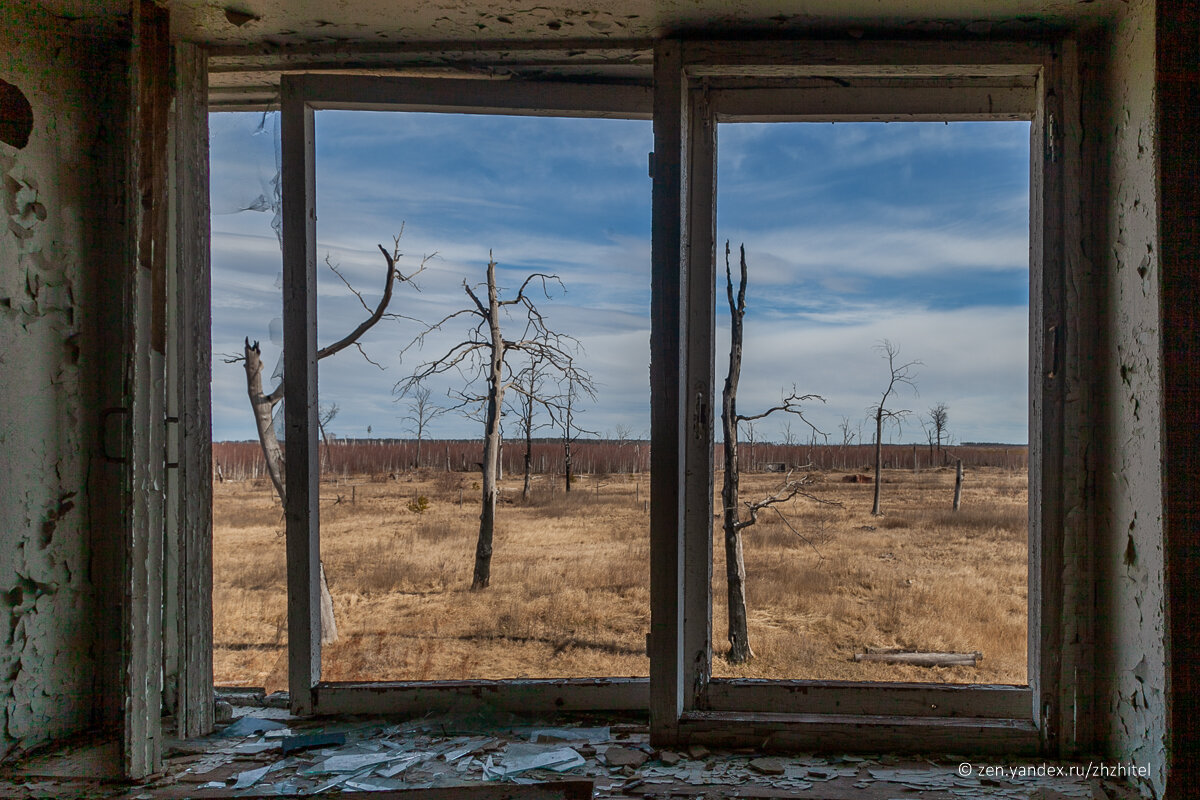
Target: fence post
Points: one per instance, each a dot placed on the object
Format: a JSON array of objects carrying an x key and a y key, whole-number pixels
[{"x": 958, "y": 479}]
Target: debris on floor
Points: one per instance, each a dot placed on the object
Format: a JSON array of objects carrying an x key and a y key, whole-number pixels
[{"x": 267, "y": 753}]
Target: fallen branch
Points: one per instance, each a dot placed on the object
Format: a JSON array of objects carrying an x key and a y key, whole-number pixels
[{"x": 923, "y": 659}]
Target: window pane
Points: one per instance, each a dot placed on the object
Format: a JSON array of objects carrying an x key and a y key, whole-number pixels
[
  {"x": 860, "y": 239},
  {"x": 249, "y": 565},
  {"x": 402, "y": 485}
]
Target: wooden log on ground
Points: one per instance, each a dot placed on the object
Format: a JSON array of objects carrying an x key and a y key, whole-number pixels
[{"x": 924, "y": 659}]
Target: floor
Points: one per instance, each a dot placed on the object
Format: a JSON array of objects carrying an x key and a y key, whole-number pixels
[{"x": 265, "y": 752}]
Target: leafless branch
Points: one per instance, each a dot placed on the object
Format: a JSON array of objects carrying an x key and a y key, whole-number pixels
[
  {"x": 792, "y": 528},
  {"x": 790, "y": 489},
  {"x": 390, "y": 278},
  {"x": 789, "y": 405}
]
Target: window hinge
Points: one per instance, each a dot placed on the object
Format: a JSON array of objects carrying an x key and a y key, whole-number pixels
[
  {"x": 1051, "y": 138},
  {"x": 701, "y": 669},
  {"x": 1049, "y": 742},
  {"x": 650, "y": 164},
  {"x": 1051, "y": 354}
]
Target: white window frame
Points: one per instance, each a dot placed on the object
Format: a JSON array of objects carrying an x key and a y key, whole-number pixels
[
  {"x": 301, "y": 96},
  {"x": 695, "y": 85}
]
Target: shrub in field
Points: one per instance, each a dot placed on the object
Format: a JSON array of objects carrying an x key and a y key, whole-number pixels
[
  {"x": 445, "y": 481},
  {"x": 419, "y": 505}
]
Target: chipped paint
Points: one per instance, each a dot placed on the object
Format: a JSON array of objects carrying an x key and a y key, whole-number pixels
[
  {"x": 1130, "y": 650},
  {"x": 47, "y": 605}
]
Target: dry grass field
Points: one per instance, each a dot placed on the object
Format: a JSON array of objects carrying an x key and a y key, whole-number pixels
[{"x": 570, "y": 580}]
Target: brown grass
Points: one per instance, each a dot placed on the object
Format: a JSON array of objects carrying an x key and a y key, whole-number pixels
[{"x": 570, "y": 580}]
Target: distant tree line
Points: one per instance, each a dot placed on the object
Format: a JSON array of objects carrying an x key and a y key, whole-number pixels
[{"x": 378, "y": 456}]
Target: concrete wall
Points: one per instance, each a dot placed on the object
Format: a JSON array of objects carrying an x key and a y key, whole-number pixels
[
  {"x": 1130, "y": 658},
  {"x": 56, "y": 252}
]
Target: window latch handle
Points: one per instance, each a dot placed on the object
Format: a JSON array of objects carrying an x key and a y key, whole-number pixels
[{"x": 1051, "y": 355}]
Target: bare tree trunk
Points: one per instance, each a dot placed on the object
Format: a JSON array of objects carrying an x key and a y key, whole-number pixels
[
  {"x": 329, "y": 633},
  {"x": 528, "y": 449},
  {"x": 735, "y": 565},
  {"x": 264, "y": 407},
  {"x": 878, "y": 457},
  {"x": 567, "y": 440},
  {"x": 491, "y": 441},
  {"x": 487, "y": 515},
  {"x": 567, "y": 463}
]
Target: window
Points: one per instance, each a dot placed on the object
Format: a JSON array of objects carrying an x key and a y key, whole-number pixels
[
  {"x": 696, "y": 85},
  {"x": 303, "y": 98},
  {"x": 699, "y": 84}
]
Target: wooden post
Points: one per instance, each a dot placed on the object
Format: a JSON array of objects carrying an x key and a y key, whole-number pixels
[
  {"x": 145, "y": 352},
  {"x": 958, "y": 478},
  {"x": 666, "y": 403},
  {"x": 191, "y": 352},
  {"x": 300, "y": 397}
]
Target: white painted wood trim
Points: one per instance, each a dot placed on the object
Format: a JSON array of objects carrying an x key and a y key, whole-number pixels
[
  {"x": 864, "y": 58},
  {"x": 192, "y": 361},
  {"x": 860, "y": 733},
  {"x": 300, "y": 397},
  {"x": 875, "y": 104},
  {"x": 926, "y": 97},
  {"x": 666, "y": 402},
  {"x": 517, "y": 696},
  {"x": 1048, "y": 332},
  {"x": 527, "y": 98},
  {"x": 145, "y": 480},
  {"x": 862, "y": 698}
]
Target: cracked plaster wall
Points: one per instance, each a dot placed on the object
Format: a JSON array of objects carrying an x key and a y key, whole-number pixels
[
  {"x": 52, "y": 205},
  {"x": 1131, "y": 661}
]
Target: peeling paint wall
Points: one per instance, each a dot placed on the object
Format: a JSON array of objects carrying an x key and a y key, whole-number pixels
[
  {"x": 51, "y": 208},
  {"x": 1131, "y": 662}
]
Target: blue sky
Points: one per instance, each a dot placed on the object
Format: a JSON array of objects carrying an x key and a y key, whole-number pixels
[{"x": 913, "y": 232}]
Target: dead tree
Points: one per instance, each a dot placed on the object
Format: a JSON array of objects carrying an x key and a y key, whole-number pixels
[
  {"x": 564, "y": 412},
  {"x": 939, "y": 416},
  {"x": 531, "y": 379},
  {"x": 326, "y": 415},
  {"x": 482, "y": 357},
  {"x": 733, "y": 522},
  {"x": 898, "y": 375},
  {"x": 424, "y": 412},
  {"x": 263, "y": 405}
]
